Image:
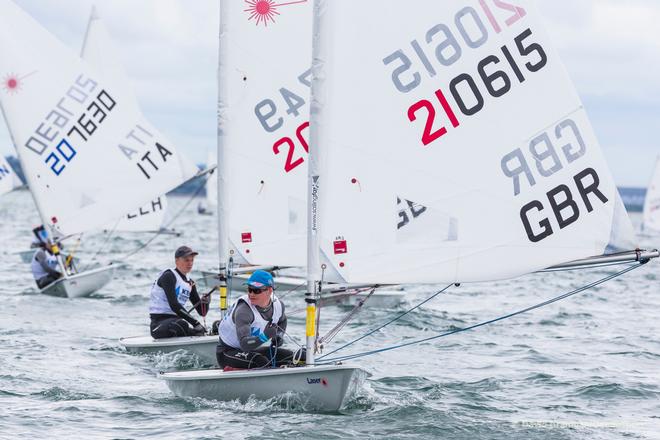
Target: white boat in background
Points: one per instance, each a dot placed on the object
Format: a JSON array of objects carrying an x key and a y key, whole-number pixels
[
  {"x": 289, "y": 286},
  {"x": 88, "y": 153},
  {"x": 9, "y": 180},
  {"x": 210, "y": 204},
  {"x": 456, "y": 182},
  {"x": 201, "y": 346},
  {"x": 651, "y": 215},
  {"x": 81, "y": 284},
  {"x": 26, "y": 256}
]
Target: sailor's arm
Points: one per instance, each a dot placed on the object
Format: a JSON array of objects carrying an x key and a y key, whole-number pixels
[
  {"x": 43, "y": 262},
  {"x": 202, "y": 307},
  {"x": 243, "y": 317},
  {"x": 281, "y": 324},
  {"x": 167, "y": 282},
  {"x": 278, "y": 340}
]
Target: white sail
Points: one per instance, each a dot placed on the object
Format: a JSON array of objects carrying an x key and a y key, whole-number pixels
[
  {"x": 8, "y": 178},
  {"x": 652, "y": 201},
  {"x": 264, "y": 71},
  {"x": 88, "y": 153},
  {"x": 148, "y": 218},
  {"x": 99, "y": 51},
  {"x": 449, "y": 145}
]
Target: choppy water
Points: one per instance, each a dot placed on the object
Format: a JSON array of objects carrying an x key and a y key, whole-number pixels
[{"x": 586, "y": 368}]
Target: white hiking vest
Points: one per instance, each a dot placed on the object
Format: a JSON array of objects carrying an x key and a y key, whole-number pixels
[
  {"x": 158, "y": 301},
  {"x": 227, "y": 329},
  {"x": 38, "y": 272}
]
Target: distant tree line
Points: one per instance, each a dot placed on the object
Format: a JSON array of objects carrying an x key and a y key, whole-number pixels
[
  {"x": 187, "y": 188},
  {"x": 633, "y": 198}
]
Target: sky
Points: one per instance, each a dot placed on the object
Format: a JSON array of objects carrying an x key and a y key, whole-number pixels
[{"x": 611, "y": 49}]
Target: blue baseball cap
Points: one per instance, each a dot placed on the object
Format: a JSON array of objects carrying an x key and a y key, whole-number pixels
[{"x": 260, "y": 278}]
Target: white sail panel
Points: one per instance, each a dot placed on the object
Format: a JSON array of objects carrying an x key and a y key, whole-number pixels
[
  {"x": 148, "y": 218},
  {"x": 652, "y": 201},
  {"x": 265, "y": 58},
  {"x": 87, "y": 152},
  {"x": 8, "y": 178},
  {"x": 99, "y": 51},
  {"x": 450, "y": 145}
]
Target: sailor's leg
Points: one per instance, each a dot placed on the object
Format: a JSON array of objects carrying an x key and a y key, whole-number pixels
[
  {"x": 170, "y": 328},
  {"x": 282, "y": 355},
  {"x": 44, "y": 281},
  {"x": 285, "y": 356},
  {"x": 231, "y": 357}
]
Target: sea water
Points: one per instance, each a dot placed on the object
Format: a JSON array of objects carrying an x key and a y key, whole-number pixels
[{"x": 585, "y": 368}]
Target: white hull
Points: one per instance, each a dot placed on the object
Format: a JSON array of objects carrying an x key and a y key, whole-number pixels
[
  {"x": 81, "y": 284},
  {"x": 323, "y": 388},
  {"x": 202, "y": 346},
  {"x": 382, "y": 298},
  {"x": 26, "y": 256}
]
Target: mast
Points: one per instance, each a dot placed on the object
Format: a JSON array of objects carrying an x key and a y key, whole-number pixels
[
  {"x": 313, "y": 194},
  {"x": 222, "y": 171},
  {"x": 28, "y": 180}
]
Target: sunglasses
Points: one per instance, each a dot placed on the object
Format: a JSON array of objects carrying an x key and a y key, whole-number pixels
[{"x": 257, "y": 290}]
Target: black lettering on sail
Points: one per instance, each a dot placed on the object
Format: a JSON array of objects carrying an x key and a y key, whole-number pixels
[
  {"x": 164, "y": 152},
  {"x": 591, "y": 188},
  {"x": 405, "y": 212}
]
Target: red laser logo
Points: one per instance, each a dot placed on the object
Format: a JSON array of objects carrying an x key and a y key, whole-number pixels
[
  {"x": 264, "y": 11},
  {"x": 11, "y": 83}
]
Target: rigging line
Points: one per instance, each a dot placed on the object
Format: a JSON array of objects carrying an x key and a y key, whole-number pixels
[
  {"x": 337, "y": 328},
  {"x": 176, "y": 216},
  {"x": 501, "y": 318},
  {"x": 100, "y": 248},
  {"x": 401, "y": 315},
  {"x": 68, "y": 261},
  {"x": 288, "y": 292}
]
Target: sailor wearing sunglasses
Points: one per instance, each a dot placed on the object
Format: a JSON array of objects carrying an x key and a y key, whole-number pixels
[{"x": 251, "y": 334}]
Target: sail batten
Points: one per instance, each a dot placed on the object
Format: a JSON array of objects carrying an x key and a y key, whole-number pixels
[{"x": 451, "y": 146}]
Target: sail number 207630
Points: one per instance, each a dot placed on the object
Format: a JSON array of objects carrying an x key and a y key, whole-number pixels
[{"x": 497, "y": 73}]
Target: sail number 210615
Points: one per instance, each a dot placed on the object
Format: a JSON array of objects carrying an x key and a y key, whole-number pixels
[{"x": 497, "y": 73}]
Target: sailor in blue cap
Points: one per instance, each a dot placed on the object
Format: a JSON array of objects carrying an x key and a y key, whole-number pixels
[{"x": 251, "y": 334}]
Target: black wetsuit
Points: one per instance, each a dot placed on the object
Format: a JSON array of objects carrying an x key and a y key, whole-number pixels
[
  {"x": 251, "y": 355},
  {"x": 165, "y": 325}
]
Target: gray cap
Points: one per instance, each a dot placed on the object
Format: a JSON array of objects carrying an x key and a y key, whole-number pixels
[{"x": 184, "y": 251}]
